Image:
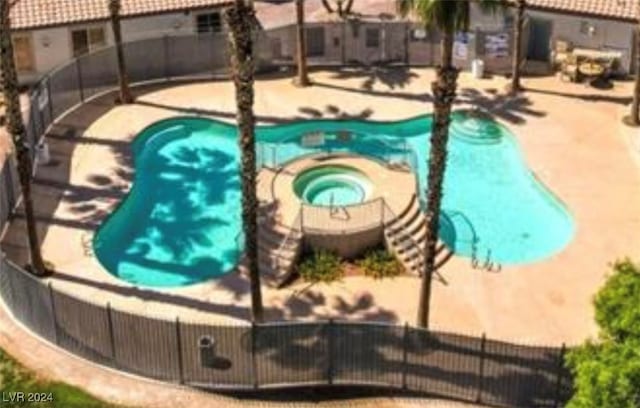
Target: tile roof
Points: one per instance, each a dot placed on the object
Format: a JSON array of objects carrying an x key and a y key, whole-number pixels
[
  {"x": 616, "y": 9},
  {"x": 45, "y": 13}
]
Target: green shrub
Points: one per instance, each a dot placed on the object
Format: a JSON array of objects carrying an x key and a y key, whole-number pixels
[
  {"x": 607, "y": 371},
  {"x": 618, "y": 303},
  {"x": 380, "y": 264},
  {"x": 606, "y": 374},
  {"x": 322, "y": 266}
]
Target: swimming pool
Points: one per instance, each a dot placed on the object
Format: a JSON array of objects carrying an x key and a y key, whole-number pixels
[{"x": 180, "y": 224}]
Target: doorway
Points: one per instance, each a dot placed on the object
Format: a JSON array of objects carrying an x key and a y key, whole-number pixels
[{"x": 539, "y": 48}]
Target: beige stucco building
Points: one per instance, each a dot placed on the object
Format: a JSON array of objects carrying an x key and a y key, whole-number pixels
[{"x": 48, "y": 33}]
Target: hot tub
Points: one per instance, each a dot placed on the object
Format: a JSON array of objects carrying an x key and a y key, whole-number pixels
[{"x": 332, "y": 185}]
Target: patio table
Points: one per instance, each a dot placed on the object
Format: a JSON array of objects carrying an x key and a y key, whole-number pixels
[{"x": 591, "y": 69}]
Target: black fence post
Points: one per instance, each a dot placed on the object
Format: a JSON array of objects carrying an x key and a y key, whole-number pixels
[
  {"x": 79, "y": 75},
  {"x": 36, "y": 137},
  {"x": 330, "y": 352},
  {"x": 407, "y": 43},
  {"x": 179, "y": 346},
  {"x": 405, "y": 354},
  {"x": 165, "y": 46},
  {"x": 53, "y": 313},
  {"x": 112, "y": 340},
  {"x": 10, "y": 190},
  {"x": 563, "y": 350},
  {"x": 48, "y": 80},
  {"x": 254, "y": 357},
  {"x": 483, "y": 346},
  {"x": 343, "y": 45},
  {"x": 34, "y": 128}
]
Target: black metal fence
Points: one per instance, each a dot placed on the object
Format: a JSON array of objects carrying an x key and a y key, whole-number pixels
[
  {"x": 9, "y": 190},
  {"x": 288, "y": 354}
]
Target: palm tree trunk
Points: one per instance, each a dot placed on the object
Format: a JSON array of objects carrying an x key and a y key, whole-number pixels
[
  {"x": 444, "y": 92},
  {"x": 517, "y": 46},
  {"x": 348, "y": 7},
  {"x": 303, "y": 75},
  {"x": 446, "y": 49},
  {"x": 18, "y": 133},
  {"x": 239, "y": 18},
  {"x": 327, "y": 6},
  {"x": 634, "y": 117},
  {"x": 123, "y": 79}
]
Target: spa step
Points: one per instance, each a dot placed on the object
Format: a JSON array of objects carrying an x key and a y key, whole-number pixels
[
  {"x": 410, "y": 211},
  {"x": 406, "y": 236},
  {"x": 272, "y": 240},
  {"x": 275, "y": 258},
  {"x": 413, "y": 260},
  {"x": 279, "y": 249}
]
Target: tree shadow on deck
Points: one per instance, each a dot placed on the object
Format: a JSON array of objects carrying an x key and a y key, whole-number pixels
[
  {"x": 391, "y": 77},
  {"x": 51, "y": 184},
  {"x": 514, "y": 109},
  {"x": 297, "y": 306},
  {"x": 589, "y": 97}
]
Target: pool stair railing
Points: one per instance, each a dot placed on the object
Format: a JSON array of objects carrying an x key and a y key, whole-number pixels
[
  {"x": 279, "y": 248},
  {"x": 405, "y": 235}
]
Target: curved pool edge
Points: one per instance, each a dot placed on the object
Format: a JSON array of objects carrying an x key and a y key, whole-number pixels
[
  {"x": 139, "y": 141},
  {"x": 137, "y": 145}
]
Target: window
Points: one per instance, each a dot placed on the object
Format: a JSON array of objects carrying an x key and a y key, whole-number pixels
[
  {"x": 418, "y": 34},
  {"x": 208, "y": 23},
  {"x": 372, "y": 38},
  {"x": 315, "y": 41},
  {"x": 23, "y": 53},
  {"x": 509, "y": 20},
  {"x": 586, "y": 28},
  {"x": 87, "y": 40}
]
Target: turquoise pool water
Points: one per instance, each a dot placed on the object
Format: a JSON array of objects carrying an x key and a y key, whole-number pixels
[
  {"x": 181, "y": 222},
  {"x": 332, "y": 185}
]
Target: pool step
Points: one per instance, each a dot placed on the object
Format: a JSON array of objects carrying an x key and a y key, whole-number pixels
[
  {"x": 279, "y": 248},
  {"x": 405, "y": 237}
]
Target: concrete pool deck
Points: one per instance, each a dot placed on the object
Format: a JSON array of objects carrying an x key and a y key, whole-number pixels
[{"x": 569, "y": 134}]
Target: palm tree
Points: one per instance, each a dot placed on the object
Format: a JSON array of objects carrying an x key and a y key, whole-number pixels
[
  {"x": 517, "y": 46},
  {"x": 634, "y": 117},
  {"x": 16, "y": 128},
  {"x": 449, "y": 17},
  {"x": 343, "y": 7},
  {"x": 239, "y": 18},
  {"x": 303, "y": 75},
  {"x": 123, "y": 80}
]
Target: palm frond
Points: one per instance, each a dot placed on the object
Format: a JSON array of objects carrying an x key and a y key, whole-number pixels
[{"x": 449, "y": 15}]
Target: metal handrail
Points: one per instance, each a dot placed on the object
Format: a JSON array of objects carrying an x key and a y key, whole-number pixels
[
  {"x": 238, "y": 239},
  {"x": 388, "y": 151},
  {"x": 402, "y": 231},
  {"x": 405, "y": 150},
  {"x": 348, "y": 210},
  {"x": 296, "y": 228}
]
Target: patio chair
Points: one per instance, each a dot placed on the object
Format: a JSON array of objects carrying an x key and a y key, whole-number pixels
[
  {"x": 569, "y": 69},
  {"x": 610, "y": 68},
  {"x": 561, "y": 52}
]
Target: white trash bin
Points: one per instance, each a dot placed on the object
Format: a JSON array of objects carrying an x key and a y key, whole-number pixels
[
  {"x": 477, "y": 68},
  {"x": 43, "y": 156}
]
